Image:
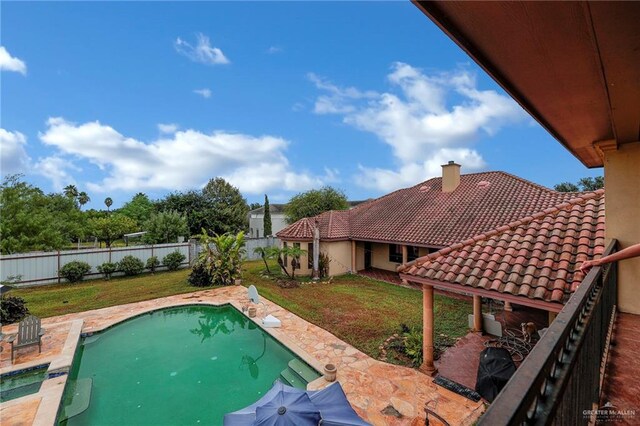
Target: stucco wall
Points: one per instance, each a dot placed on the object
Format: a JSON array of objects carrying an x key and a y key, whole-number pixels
[
  {"x": 622, "y": 198},
  {"x": 359, "y": 255},
  {"x": 339, "y": 253},
  {"x": 380, "y": 257},
  {"x": 256, "y": 223},
  {"x": 303, "y": 270}
]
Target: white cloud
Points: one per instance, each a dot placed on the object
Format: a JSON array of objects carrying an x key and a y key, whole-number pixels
[
  {"x": 56, "y": 168},
  {"x": 425, "y": 119},
  {"x": 13, "y": 155},
  {"x": 274, "y": 49},
  {"x": 167, "y": 127},
  {"x": 183, "y": 160},
  {"x": 10, "y": 63},
  {"x": 202, "y": 52},
  {"x": 205, "y": 93}
]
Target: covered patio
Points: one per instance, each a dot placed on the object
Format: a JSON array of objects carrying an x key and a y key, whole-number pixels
[{"x": 531, "y": 262}]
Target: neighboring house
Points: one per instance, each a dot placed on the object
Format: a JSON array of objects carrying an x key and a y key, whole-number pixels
[
  {"x": 256, "y": 220},
  {"x": 413, "y": 222}
]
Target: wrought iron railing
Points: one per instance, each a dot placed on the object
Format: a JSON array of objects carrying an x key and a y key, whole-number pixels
[{"x": 561, "y": 379}]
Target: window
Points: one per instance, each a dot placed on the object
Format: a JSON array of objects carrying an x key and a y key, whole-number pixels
[
  {"x": 395, "y": 253},
  {"x": 310, "y": 255},
  {"x": 412, "y": 253},
  {"x": 297, "y": 264}
]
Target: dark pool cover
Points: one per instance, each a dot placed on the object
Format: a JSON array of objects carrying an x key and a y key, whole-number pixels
[{"x": 495, "y": 369}]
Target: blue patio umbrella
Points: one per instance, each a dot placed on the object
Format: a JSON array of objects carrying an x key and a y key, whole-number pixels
[
  {"x": 330, "y": 403},
  {"x": 288, "y": 409}
]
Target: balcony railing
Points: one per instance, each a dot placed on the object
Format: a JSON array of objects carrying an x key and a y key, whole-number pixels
[{"x": 561, "y": 379}]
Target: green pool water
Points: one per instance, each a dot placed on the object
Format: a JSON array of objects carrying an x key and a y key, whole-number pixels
[
  {"x": 14, "y": 386},
  {"x": 177, "y": 366}
]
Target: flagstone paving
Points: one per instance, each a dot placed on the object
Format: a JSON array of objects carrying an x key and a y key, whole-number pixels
[{"x": 371, "y": 386}]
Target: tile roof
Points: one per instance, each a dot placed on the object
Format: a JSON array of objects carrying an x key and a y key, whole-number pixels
[
  {"x": 534, "y": 257},
  {"x": 424, "y": 215},
  {"x": 334, "y": 225}
]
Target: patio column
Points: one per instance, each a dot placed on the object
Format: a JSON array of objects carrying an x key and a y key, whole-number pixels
[
  {"x": 508, "y": 307},
  {"x": 405, "y": 257},
  {"x": 552, "y": 316},
  {"x": 354, "y": 268},
  {"x": 477, "y": 314},
  {"x": 428, "y": 330}
]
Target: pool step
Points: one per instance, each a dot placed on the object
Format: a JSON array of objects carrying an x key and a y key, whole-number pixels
[
  {"x": 80, "y": 391},
  {"x": 289, "y": 377},
  {"x": 306, "y": 373}
]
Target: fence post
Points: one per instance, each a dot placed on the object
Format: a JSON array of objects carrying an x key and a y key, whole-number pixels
[{"x": 59, "y": 281}]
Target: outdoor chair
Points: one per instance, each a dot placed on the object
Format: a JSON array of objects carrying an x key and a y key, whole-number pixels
[{"x": 29, "y": 333}]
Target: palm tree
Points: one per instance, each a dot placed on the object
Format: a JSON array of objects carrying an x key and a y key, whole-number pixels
[
  {"x": 289, "y": 251},
  {"x": 265, "y": 254},
  {"x": 108, "y": 202},
  {"x": 83, "y": 198},
  {"x": 71, "y": 191}
]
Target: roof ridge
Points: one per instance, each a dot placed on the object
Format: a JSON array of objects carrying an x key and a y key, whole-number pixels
[{"x": 586, "y": 196}]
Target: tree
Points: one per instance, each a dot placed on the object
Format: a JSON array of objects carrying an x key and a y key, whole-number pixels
[
  {"x": 266, "y": 221},
  {"x": 83, "y": 198},
  {"x": 112, "y": 227},
  {"x": 279, "y": 253},
  {"x": 254, "y": 206},
  {"x": 70, "y": 191},
  {"x": 26, "y": 220},
  {"x": 165, "y": 227},
  {"x": 229, "y": 207},
  {"x": 584, "y": 184},
  {"x": 193, "y": 205},
  {"x": 140, "y": 208},
  {"x": 314, "y": 202},
  {"x": 108, "y": 202},
  {"x": 265, "y": 254}
]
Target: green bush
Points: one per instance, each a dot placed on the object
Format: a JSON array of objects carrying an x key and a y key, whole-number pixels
[
  {"x": 131, "y": 265},
  {"x": 153, "y": 263},
  {"x": 74, "y": 271},
  {"x": 12, "y": 309},
  {"x": 413, "y": 346},
  {"x": 173, "y": 260},
  {"x": 200, "y": 276},
  {"x": 107, "y": 268}
]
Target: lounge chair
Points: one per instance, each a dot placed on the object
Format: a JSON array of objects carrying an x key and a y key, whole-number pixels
[{"x": 29, "y": 333}]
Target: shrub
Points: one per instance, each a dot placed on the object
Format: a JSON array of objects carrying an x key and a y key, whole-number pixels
[
  {"x": 222, "y": 256},
  {"x": 413, "y": 346},
  {"x": 12, "y": 309},
  {"x": 74, "y": 271},
  {"x": 153, "y": 263},
  {"x": 200, "y": 276},
  {"x": 173, "y": 260},
  {"x": 131, "y": 265},
  {"x": 107, "y": 268}
]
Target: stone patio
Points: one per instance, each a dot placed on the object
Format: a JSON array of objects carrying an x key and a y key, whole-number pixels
[{"x": 371, "y": 385}]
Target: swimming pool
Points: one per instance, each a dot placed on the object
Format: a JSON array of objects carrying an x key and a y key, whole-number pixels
[{"x": 185, "y": 365}]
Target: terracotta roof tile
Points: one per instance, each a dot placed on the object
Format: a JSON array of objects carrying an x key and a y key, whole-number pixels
[
  {"x": 542, "y": 257},
  {"x": 424, "y": 215}
]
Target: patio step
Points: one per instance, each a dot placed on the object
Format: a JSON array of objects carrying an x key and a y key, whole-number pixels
[
  {"x": 303, "y": 371},
  {"x": 80, "y": 398},
  {"x": 291, "y": 378}
]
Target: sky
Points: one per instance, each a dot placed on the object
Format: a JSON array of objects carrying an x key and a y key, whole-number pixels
[{"x": 275, "y": 97}]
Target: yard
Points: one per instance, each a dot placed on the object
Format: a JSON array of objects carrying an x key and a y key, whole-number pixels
[{"x": 359, "y": 310}]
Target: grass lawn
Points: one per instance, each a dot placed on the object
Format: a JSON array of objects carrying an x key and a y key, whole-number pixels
[{"x": 360, "y": 311}]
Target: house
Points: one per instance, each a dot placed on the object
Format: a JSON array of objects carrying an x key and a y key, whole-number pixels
[
  {"x": 574, "y": 67},
  {"x": 413, "y": 222},
  {"x": 256, "y": 220}
]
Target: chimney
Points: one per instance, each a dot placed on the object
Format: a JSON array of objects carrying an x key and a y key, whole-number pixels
[{"x": 450, "y": 176}]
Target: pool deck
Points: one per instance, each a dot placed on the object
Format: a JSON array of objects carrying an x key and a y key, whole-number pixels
[{"x": 371, "y": 385}]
